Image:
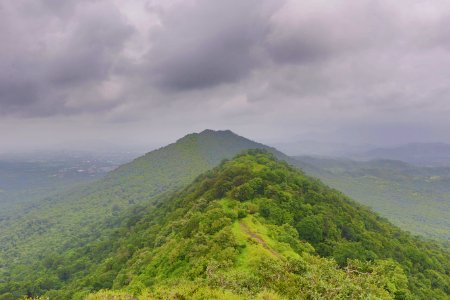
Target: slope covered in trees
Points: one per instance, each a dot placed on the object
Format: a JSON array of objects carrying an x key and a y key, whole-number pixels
[
  {"x": 254, "y": 227},
  {"x": 100, "y": 236},
  {"x": 68, "y": 219}
]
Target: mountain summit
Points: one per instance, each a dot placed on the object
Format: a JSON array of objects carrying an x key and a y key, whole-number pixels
[{"x": 178, "y": 163}]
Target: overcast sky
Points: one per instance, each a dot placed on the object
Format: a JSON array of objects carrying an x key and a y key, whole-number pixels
[{"x": 77, "y": 73}]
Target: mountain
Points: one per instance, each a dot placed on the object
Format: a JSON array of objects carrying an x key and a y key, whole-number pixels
[
  {"x": 123, "y": 233},
  {"x": 85, "y": 212},
  {"x": 414, "y": 198},
  {"x": 255, "y": 228},
  {"x": 178, "y": 163},
  {"x": 422, "y": 154}
]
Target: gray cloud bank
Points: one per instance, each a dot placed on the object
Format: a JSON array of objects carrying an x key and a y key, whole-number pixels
[{"x": 267, "y": 68}]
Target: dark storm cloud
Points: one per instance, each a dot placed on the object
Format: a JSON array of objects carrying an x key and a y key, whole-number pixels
[
  {"x": 50, "y": 54},
  {"x": 91, "y": 51},
  {"x": 263, "y": 66},
  {"x": 304, "y": 32},
  {"x": 15, "y": 93},
  {"x": 207, "y": 43}
]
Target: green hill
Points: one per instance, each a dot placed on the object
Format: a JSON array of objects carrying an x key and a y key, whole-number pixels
[
  {"x": 87, "y": 212},
  {"x": 254, "y": 227},
  {"x": 177, "y": 164}
]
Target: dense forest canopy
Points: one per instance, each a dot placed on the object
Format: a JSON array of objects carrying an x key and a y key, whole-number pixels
[
  {"x": 253, "y": 227},
  {"x": 67, "y": 219}
]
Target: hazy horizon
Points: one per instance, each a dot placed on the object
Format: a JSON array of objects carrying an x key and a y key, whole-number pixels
[{"x": 290, "y": 147}]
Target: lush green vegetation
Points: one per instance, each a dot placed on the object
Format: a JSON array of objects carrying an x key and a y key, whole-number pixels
[
  {"x": 66, "y": 220},
  {"x": 414, "y": 198},
  {"x": 253, "y": 227}
]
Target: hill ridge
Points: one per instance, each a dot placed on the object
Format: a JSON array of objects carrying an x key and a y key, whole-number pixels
[
  {"x": 198, "y": 244},
  {"x": 86, "y": 213}
]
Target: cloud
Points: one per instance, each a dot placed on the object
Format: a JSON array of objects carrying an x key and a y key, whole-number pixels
[
  {"x": 307, "y": 31},
  {"x": 261, "y": 67},
  {"x": 49, "y": 58},
  {"x": 207, "y": 43}
]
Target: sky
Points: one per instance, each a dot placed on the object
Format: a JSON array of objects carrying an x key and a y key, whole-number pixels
[{"x": 139, "y": 74}]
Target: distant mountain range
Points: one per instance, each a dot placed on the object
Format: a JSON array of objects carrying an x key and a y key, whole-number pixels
[
  {"x": 316, "y": 148},
  {"x": 420, "y": 154},
  {"x": 423, "y": 154}
]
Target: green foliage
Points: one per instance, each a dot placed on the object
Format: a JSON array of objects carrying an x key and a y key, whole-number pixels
[
  {"x": 253, "y": 227},
  {"x": 311, "y": 228},
  {"x": 86, "y": 216}
]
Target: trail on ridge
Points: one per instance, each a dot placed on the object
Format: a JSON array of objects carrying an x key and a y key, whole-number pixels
[{"x": 259, "y": 239}]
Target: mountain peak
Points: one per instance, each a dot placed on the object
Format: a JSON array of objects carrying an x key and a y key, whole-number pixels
[
  {"x": 207, "y": 133},
  {"x": 180, "y": 162},
  {"x": 211, "y": 131}
]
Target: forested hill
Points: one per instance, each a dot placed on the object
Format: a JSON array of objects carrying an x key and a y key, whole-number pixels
[
  {"x": 254, "y": 227},
  {"x": 60, "y": 222},
  {"x": 178, "y": 163}
]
